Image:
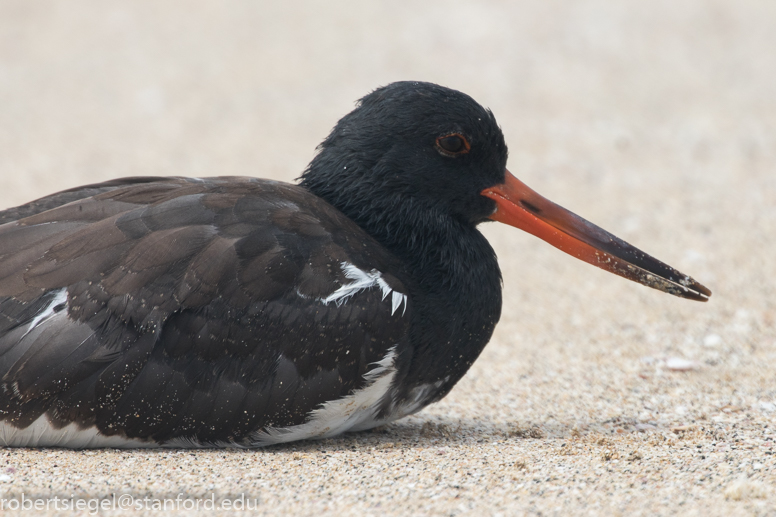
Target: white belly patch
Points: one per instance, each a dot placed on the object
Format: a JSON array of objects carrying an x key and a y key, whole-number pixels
[
  {"x": 41, "y": 433},
  {"x": 355, "y": 412}
]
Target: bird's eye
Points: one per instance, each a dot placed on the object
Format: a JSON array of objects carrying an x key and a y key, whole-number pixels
[{"x": 452, "y": 144}]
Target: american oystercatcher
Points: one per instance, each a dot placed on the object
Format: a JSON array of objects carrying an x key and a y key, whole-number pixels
[{"x": 233, "y": 311}]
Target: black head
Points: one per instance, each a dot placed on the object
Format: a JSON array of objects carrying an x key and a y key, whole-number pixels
[
  {"x": 415, "y": 160},
  {"x": 414, "y": 148}
]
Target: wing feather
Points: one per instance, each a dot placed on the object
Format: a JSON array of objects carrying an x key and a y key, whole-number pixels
[{"x": 196, "y": 309}]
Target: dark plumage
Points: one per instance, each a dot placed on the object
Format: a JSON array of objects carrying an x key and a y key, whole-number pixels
[{"x": 221, "y": 311}]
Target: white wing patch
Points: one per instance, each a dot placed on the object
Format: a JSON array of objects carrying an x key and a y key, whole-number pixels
[
  {"x": 396, "y": 300},
  {"x": 365, "y": 280},
  {"x": 60, "y": 298},
  {"x": 354, "y": 412}
]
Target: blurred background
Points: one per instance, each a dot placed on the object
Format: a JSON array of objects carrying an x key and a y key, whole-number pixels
[{"x": 654, "y": 119}]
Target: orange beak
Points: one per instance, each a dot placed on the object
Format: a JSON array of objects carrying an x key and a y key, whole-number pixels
[{"x": 519, "y": 206}]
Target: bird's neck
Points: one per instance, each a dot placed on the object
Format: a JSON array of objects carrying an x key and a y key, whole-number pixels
[{"x": 457, "y": 294}]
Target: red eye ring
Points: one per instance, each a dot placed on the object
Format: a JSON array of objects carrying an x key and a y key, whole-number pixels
[{"x": 453, "y": 144}]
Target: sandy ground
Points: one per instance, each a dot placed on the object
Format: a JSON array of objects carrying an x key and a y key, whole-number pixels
[{"x": 596, "y": 396}]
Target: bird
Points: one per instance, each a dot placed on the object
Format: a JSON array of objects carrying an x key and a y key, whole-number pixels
[{"x": 246, "y": 312}]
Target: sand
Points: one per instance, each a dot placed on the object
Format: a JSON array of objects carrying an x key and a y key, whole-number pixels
[{"x": 596, "y": 396}]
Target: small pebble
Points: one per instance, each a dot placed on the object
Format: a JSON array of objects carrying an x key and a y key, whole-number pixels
[{"x": 677, "y": 364}]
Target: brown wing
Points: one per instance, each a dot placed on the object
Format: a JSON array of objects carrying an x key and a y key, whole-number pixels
[{"x": 170, "y": 307}]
